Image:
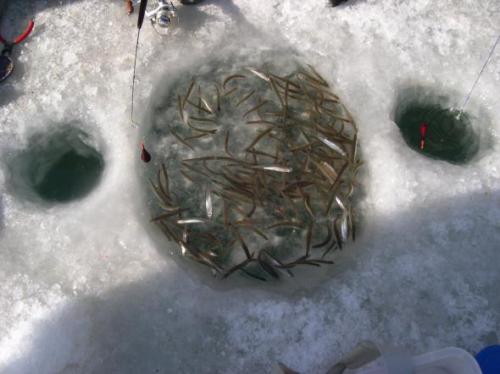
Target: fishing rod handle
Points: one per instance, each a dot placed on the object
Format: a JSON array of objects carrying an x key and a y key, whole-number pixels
[{"x": 142, "y": 11}]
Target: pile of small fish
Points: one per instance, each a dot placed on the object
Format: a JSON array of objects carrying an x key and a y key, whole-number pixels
[{"x": 252, "y": 204}]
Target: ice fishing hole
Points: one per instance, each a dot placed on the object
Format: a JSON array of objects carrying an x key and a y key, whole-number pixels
[
  {"x": 450, "y": 135},
  {"x": 57, "y": 167}
]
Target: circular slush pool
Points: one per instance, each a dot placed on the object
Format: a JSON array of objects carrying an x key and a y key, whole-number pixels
[{"x": 255, "y": 166}]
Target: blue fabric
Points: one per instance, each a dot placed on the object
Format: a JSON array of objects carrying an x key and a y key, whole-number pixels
[{"x": 489, "y": 359}]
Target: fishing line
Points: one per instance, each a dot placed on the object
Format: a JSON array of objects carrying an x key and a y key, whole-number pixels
[
  {"x": 140, "y": 19},
  {"x": 133, "y": 78},
  {"x": 478, "y": 76}
]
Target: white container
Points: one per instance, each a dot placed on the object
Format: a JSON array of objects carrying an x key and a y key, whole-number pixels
[{"x": 445, "y": 361}]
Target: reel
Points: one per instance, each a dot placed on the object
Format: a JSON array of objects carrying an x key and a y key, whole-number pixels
[{"x": 163, "y": 16}]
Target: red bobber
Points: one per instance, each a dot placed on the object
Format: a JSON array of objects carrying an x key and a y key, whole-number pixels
[
  {"x": 145, "y": 156},
  {"x": 423, "y": 132}
]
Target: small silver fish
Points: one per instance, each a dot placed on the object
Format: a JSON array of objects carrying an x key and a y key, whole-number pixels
[
  {"x": 341, "y": 204},
  {"x": 244, "y": 98},
  {"x": 190, "y": 221},
  {"x": 344, "y": 230},
  {"x": 208, "y": 204},
  {"x": 188, "y": 94},
  {"x": 205, "y": 102},
  {"x": 257, "y": 107},
  {"x": 184, "y": 249},
  {"x": 279, "y": 169},
  {"x": 259, "y": 74},
  {"x": 218, "y": 97},
  {"x": 230, "y": 78},
  {"x": 327, "y": 170},
  {"x": 332, "y": 146}
]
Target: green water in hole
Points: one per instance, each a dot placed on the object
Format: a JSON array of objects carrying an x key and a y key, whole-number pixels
[
  {"x": 56, "y": 166},
  {"x": 71, "y": 176},
  {"x": 449, "y": 137}
]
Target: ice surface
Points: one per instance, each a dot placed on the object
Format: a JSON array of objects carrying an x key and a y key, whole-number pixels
[{"x": 84, "y": 287}]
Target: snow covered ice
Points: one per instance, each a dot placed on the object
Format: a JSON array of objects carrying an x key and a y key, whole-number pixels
[{"x": 86, "y": 288}]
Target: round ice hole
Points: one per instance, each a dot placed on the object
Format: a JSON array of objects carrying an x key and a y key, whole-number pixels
[
  {"x": 448, "y": 134},
  {"x": 59, "y": 166}
]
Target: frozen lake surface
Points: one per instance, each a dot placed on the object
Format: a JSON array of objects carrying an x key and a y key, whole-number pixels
[{"x": 85, "y": 287}]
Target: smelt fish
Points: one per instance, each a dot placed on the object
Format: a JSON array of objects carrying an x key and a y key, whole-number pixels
[
  {"x": 190, "y": 221},
  {"x": 259, "y": 74},
  {"x": 190, "y": 89},
  {"x": 332, "y": 146},
  {"x": 341, "y": 204},
  {"x": 184, "y": 249},
  {"x": 198, "y": 106},
  {"x": 218, "y": 97},
  {"x": 230, "y": 78},
  {"x": 344, "y": 231},
  {"x": 205, "y": 102},
  {"x": 277, "y": 168},
  {"x": 257, "y": 107},
  {"x": 208, "y": 204},
  {"x": 244, "y": 98}
]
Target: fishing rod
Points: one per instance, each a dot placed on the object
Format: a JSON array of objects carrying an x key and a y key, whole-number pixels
[
  {"x": 161, "y": 18},
  {"x": 478, "y": 76},
  {"x": 145, "y": 156},
  {"x": 140, "y": 20}
]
